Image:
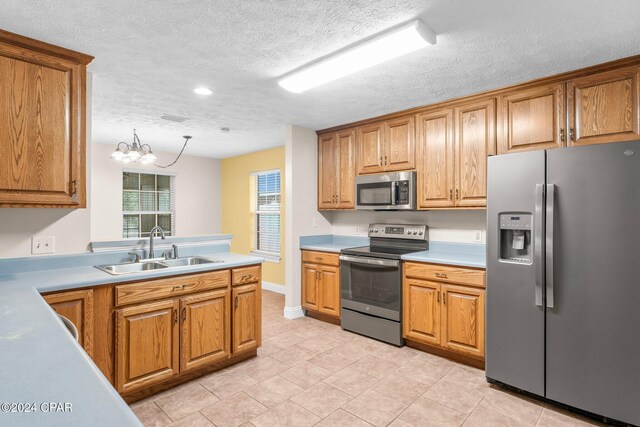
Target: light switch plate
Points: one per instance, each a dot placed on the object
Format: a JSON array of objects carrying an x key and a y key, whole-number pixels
[
  {"x": 477, "y": 236},
  {"x": 41, "y": 245}
]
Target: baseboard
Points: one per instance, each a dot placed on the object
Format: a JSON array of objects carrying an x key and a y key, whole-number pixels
[
  {"x": 273, "y": 287},
  {"x": 293, "y": 312}
]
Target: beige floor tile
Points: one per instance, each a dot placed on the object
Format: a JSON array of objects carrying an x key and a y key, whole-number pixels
[
  {"x": 519, "y": 408},
  {"x": 267, "y": 348},
  {"x": 375, "y": 408},
  {"x": 450, "y": 394},
  {"x": 425, "y": 412},
  {"x": 193, "y": 420},
  {"x": 286, "y": 414},
  {"x": 150, "y": 414},
  {"x": 351, "y": 381},
  {"x": 485, "y": 415},
  {"x": 319, "y": 345},
  {"x": 187, "y": 401},
  {"x": 293, "y": 355},
  {"x": 401, "y": 388},
  {"x": 265, "y": 368},
  {"x": 233, "y": 411},
  {"x": 321, "y": 399},
  {"x": 424, "y": 373},
  {"x": 375, "y": 366},
  {"x": 309, "y": 331},
  {"x": 227, "y": 383},
  {"x": 286, "y": 339},
  {"x": 306, "y": 374},
  {"x": 338, "y": 334},
  {"x": 399, "y": 355},
  {"x": 333, "y": 360},
  {"x": 273, "y": 391},
  {"x": 354, "y": 348},
  {"x": 469, "y": 378},
  {"x": 342, "y": 418},
  {"x": 554, "y": 417}
]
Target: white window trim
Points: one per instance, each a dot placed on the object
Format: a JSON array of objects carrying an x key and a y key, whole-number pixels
[{"x": 273, "y": 257}]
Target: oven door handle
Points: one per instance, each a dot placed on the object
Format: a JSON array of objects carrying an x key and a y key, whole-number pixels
[{"x": 370, "y": 261}]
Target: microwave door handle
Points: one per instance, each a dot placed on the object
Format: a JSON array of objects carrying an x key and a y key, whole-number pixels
[
  {"x": 370, "y": 261},
  {"x": 394, "y": 191}
]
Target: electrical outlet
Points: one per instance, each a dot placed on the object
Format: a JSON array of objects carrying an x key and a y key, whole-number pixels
[
  {"x": 357, "y": 229},
  {"x": 43, "y": 245},
  {"x": 477, "y": 236},
  {"x": 314, "y": 222}
]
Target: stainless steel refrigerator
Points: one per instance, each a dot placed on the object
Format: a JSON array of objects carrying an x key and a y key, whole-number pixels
[{"x": 563, "y": 276}]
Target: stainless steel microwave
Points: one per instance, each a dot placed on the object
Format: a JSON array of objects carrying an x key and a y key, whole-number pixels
[{"x": 386, "y": 191}]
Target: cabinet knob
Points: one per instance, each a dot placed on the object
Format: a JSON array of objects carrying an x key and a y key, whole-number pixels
[
  {"x": 178, "y": 287},
  {"x": 441, "y": 275},
  {"x": 184, "y": 313},
  {"x": 235, "y": 304},
  {"x": 175, "y": 315}
]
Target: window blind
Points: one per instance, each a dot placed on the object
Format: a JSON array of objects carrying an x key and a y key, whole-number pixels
[
  {"x": 264, "y": 224},
  {"x": 147, "y": 200}
]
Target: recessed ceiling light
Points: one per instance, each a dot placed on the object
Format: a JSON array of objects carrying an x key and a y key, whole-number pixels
[
  {"x": 375, "y": 50},
  {"x": 173, "y": 118},
  {"x": 224, "y": 129},
  {"x": 201, "y": 90}
]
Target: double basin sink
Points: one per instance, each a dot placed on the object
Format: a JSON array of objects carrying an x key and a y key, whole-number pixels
[{"x": 139, "y": 267}]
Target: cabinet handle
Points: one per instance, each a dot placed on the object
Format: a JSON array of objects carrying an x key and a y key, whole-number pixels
[
  {"x": 385, "y": 160},
  {"x": 450, "y": 194},
  {"x": 572, "y": 134},
  {"x": 441, "y": 275},
  {"x": 175, "y": 315},
  {"x": 438, "y": 297},
  {"x": 457, "y": 194},
  {"x": 562, "y": 137},
  {"x": 184, "y": 313},
  {"x": 235, "y": 304},
  {"x": 177, "y": 287},
  {"x": 444, "y": 298}
]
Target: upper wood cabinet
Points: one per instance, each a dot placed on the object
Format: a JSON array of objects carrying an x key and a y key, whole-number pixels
[
  {"x": 246, "y": 318},
  {"x": 531, "y": 119},
  {"x": 336, "y": 170},
  {"x": 399, "y": 144},
  {"x": 475, "y": 140},
  {"x": 77, "y": 306},
  {"x": 370, "y": 140},
  {"x": 604, "y": 107},
  {"x": 436, "y": 177},
  {"x": 42, "y": 124}
]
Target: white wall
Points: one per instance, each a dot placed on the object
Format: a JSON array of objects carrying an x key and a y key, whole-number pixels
[
  {"x": 70, "y": 227},
  {"x": 198, "y": 193},
  {"x": 302, "y": 217}
]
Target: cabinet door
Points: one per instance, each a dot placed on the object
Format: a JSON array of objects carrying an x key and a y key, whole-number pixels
[
  {"x": 310, "y": 279},
  {"x": 146, "y": 344},
  {"x": 77, "y": 306},
  {"x": 42, "y": 126},
  {"x": 436, "y": 177},
  {"x": 246, "y": 324},
  {"x": 205, "y": 329},
  {"x": 399, "y": 144},
  {"x": 463, "y": 320},
  {"x": 604, "y": 107},
  {"x": 531, "y": 119},
  {"x": 475, "y": 140},
  {"x": 346, "y": 141},
  {"x": 370, "y": 139},
  {"x": 329, "y": 290},
  {"x": 328, "y": 156},
  {"x": 421, "y": 311}
]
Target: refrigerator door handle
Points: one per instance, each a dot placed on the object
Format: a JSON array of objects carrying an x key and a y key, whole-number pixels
[
  {"x": 538, "y": 242},
  {"x": 550, "y": 218}
]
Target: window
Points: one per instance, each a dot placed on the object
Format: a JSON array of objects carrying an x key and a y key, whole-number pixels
[
  {"x": 147, "y": 200},
  {"x": 265, "y": 213}
]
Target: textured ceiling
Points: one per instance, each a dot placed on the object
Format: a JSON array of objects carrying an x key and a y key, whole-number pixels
[{"x": 150, "y": 55}]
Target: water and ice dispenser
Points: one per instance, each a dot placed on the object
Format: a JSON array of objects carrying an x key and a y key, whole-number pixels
[{"x": 515, "y": 237}]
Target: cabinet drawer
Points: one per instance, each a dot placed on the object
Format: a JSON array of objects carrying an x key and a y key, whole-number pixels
[
  {"x": 244, "y": 275},
  {"x": 321, "y": 258},
  {"x": 170, "y": 287},
  {"x": 442, "y": 273}
]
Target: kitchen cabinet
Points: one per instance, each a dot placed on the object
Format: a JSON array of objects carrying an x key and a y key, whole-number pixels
[
  {"x": 321, "y": 283},
  {"x": 475, "y": 140},
  {"x": 386, "y": 146},
  {"x": 204, "y": 329},
  {"x": 436, "y": 174},
  {"x": 42, "y": 124},
  {"x": 246, "y": 318},
  {"x": 147, "y": 346},
  {"x": 369, "y": 143},
  {"x": 443, "y": 308},
  {"x": 77, "y": 306},
  {"x": 603, "y": 107},
  {"x": 532, "y": 119},
  {"x": 336, "y": 170}
]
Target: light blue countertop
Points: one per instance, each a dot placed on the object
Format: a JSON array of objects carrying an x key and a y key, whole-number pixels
[
  {"x": 331, "y": 243},
  {"x": 40, "y": 360}
]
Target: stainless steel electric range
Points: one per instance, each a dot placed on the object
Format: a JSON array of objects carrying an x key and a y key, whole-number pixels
[{"x": 371, "y": 280}]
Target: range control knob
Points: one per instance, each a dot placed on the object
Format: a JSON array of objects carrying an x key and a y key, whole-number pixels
[
  {"x": 375, "y": 230},
  {"x": 420, "y": 232},
  {"x": 371, "y": 230}
]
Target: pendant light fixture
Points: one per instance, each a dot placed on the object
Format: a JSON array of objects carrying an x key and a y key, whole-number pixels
[{"x": 141, "y": 153}]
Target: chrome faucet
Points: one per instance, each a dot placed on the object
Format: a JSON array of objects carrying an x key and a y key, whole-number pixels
[{"x": 153, "y": 232}]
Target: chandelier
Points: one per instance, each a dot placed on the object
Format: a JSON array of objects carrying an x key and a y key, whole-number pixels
[{"x": 141, "y": 153}]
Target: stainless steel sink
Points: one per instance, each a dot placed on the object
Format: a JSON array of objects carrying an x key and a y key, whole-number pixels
[
  {"x": 185, "y": 262},
  {"x": 131, "y": 267},
  {"x": 139, "y": 267}
]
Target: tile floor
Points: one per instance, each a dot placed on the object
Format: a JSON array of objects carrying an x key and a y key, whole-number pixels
[{"x": 312, "y": 373}]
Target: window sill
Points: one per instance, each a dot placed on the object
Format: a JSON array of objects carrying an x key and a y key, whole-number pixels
[{"x": 268, "y": 256}]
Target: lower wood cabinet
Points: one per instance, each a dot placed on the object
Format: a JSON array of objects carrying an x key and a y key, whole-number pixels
[
  {"x": 441, "y": 314},
  {"x": 246, "y": 318},
  {"x": 77, "y": 306},
  {"x": 321, "y": 283}
]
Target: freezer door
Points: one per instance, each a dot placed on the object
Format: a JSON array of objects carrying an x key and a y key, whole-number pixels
[
  {"x": 593, "y": 329},
  {"x": 515, "y": 312}
]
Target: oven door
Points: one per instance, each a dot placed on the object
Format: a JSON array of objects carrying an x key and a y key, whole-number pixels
[{"x": 371, "y": 285}]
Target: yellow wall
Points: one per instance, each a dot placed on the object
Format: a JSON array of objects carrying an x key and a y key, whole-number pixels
[{"x": 235, "y": 203}]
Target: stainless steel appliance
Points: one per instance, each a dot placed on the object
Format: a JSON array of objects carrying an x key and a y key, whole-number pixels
[
  {"x": 371, "y": 280},
  {"x": 563, "y": 290},
  {"x": 386, "y": 191}
]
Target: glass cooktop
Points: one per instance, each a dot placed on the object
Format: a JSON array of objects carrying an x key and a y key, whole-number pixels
[{"x": 378, "y": 251}]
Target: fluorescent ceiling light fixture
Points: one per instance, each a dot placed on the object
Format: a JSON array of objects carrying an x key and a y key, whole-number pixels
[
  {"x": 203, "y": 90},
  {"x": 380, "y": 48}
]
